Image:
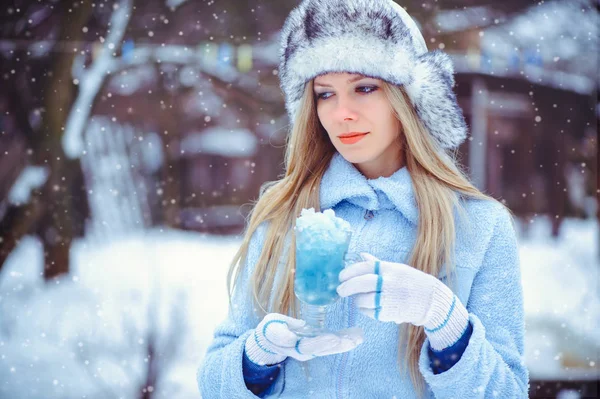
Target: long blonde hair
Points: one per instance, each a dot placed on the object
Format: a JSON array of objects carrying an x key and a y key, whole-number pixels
[{"x": 437, "y": 181}]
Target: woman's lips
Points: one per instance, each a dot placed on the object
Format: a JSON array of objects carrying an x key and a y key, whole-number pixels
[{"x": 352, "y": 139}]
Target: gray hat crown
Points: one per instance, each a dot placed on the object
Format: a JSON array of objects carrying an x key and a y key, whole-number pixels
[{"x": 375, "y": 38}]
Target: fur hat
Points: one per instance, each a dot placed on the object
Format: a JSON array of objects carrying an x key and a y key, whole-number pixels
[{"x": 375, "y": 38}]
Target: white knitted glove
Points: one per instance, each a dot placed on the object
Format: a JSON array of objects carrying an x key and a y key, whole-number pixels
[
  {"x": 273, "y": 341},
  {"x": 400, "y": 293}
]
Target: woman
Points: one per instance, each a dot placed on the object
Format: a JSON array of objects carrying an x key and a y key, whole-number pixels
[{"x": 437, "y": 293}]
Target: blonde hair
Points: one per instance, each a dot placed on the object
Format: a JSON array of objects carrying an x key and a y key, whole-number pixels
[{"x": 437, "y": 183}]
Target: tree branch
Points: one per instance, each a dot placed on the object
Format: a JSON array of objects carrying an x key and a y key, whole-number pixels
[{"x": 92, "y": 79}]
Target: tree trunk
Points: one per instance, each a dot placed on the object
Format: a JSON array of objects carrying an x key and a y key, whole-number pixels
[
  {"x": 62, "y": 190},
  {"x": 171, "y": 138}
]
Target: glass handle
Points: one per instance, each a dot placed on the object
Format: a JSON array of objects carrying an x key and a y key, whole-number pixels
[{"x": 351, "y": 258}]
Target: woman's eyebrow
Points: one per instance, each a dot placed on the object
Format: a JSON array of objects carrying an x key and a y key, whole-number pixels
[{"x": 351, "y": 80}]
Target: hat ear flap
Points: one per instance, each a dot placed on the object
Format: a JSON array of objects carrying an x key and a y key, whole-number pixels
[
  {"x": 430, "y": 91},
  {"x": 440, "y": 61}
]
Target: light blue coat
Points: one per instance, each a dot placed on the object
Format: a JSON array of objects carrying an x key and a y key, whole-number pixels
[{"x": 488, "y": 283}]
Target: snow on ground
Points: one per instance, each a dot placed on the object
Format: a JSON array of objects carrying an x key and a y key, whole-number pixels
[
  {"x": 85, "y": 335},
  {"x": 561, "y": 281}
]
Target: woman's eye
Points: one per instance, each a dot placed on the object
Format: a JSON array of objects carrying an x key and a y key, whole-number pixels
[
  {"x": 361, "y": 89},
  {"x": 367, "y": 89},
  {"x": 322, "y": 96}
]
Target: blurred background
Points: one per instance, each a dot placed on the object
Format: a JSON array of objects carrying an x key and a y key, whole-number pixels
[{"x": 133, "y": 136}]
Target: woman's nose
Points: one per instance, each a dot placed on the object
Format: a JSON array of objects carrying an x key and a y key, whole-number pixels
[{"x": 345, "y": 109}]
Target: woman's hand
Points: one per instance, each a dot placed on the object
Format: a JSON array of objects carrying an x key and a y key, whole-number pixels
[
  {"x": 273, "y": 341},
  {"x": 388, "y": 291}
]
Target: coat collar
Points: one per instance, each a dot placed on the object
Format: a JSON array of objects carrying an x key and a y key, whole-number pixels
[{"x": 342, "y": 181}]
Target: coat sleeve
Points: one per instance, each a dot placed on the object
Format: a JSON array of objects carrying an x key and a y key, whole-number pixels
[
  {"x": 220, "y": 375},
  {"x": 492, "y": 365}
]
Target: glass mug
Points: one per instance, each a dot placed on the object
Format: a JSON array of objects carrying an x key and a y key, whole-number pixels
[{"x": 318, "y": 265}]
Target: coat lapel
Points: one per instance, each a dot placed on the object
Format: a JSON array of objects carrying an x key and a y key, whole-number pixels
[{"x": 342, "y": 181}]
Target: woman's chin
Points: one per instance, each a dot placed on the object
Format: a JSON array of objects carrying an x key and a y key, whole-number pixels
[{"x": 354, "y": 156}]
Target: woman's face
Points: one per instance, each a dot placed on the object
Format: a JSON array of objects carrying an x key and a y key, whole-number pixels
[{"x": 351, "y": 103}]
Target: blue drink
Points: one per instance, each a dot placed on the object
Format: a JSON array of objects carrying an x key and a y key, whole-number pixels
[{"x": 318, "y": 264}]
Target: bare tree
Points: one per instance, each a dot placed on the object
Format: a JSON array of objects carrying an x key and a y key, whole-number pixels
[{"x": 57, "y": 211}]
